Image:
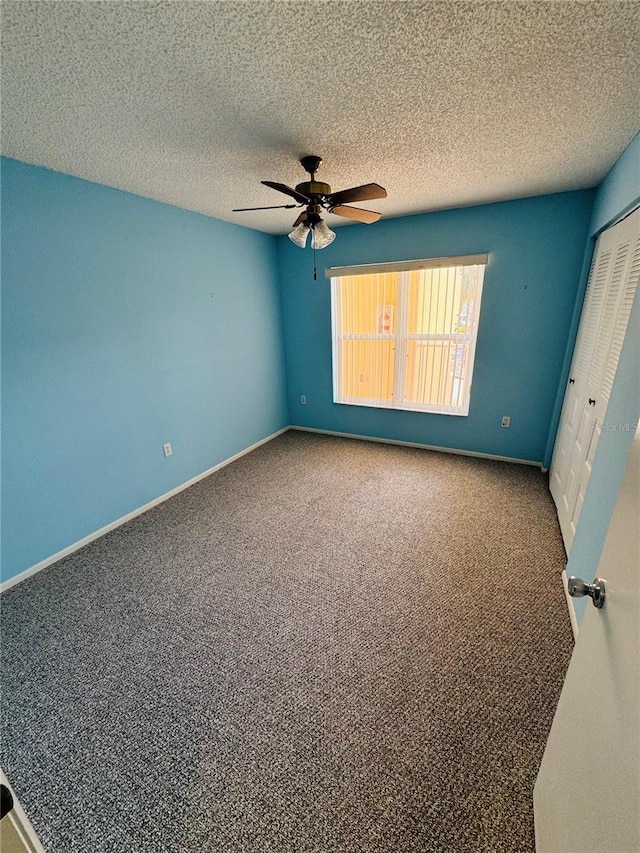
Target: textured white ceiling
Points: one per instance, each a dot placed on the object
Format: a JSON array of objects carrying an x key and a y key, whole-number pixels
[{"x": 444, "y": 103}]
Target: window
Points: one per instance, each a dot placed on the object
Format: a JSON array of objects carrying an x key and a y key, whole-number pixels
[{"x": 404, "y": 334}]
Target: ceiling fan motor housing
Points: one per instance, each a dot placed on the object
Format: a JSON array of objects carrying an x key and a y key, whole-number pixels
[{"x": 313, "y": 188}]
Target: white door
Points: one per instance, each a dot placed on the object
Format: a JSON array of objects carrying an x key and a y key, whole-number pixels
[
  {"x": 587, "y": 795},
  {"x": 624, "y": 283},
  {"x": 612, "y": 283},
  {"x": 578, "y": 375}
]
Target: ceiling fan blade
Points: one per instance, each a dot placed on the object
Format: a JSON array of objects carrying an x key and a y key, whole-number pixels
[
  {"x": 364, "y": 193},
  {"x": 302, "y": 218},
  {"x": 270, "y": 207},
  {"x": 283, "y": 188},
  {"x": 368, "y": 216}
]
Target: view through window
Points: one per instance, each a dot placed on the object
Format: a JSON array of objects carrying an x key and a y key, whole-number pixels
[{"x": 404, "y": 337}]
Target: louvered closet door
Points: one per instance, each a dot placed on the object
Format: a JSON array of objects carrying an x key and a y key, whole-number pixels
[
  {"x": 578, "y": 375},
  {"x": 612, "y": 284}
]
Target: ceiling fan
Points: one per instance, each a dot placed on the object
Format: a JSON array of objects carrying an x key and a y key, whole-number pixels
[{"x": 315, "y": 196}]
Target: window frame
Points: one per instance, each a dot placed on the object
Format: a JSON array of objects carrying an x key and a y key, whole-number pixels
[{"x": 400, "y": 336}]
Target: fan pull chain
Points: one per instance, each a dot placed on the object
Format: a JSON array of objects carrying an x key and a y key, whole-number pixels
[{"x": 315, "y": 271}]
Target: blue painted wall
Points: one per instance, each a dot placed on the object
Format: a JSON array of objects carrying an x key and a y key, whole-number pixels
[
  {"x": 126, "y": 323},
  {"x": 618, "y": 193},
  {"x": 536, "y": 249}
]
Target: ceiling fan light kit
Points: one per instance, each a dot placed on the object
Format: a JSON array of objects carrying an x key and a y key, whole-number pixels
[
  {"x": 322, "y": 235},
  {"x": 316, "y": 196},
  {"x": 299, "y": 234}
]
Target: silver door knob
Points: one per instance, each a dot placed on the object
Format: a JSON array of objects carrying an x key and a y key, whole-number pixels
[{"x": 595, "y": 591}]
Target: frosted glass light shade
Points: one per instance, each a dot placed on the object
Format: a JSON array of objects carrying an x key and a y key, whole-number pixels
[
  {"x": 299, "y": 235},
  {"x": 322, "y": 236}
]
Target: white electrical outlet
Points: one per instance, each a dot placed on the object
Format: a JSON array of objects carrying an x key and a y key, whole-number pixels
[
  {"x": 506, "y": 421},
  {"x": 166, "y": 448},
  {"x": 303, "y": 399}
]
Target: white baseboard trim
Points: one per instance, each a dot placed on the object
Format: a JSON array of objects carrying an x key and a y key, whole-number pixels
[
  {"x": 70, "y": 549},
  {"x": 420, "y": 446},
  {"x": 570, "y": 606}
]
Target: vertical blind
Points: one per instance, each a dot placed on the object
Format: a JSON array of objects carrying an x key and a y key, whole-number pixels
[{"x": 404, "y": 334}]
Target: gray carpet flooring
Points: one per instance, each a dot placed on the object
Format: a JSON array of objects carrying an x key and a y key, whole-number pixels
[{"x": 329, "y": 646}]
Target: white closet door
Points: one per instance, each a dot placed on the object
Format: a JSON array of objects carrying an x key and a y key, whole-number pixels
[
  {"x": 612, "y": 283},
  {"x": 626, "y": 292},
  {"x": 579, "y": 373}
]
